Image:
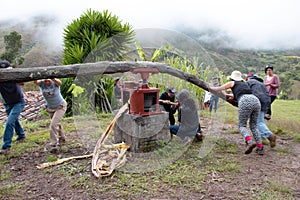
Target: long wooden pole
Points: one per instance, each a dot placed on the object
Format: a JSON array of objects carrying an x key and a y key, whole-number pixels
[{"x": 104, "y": 67}]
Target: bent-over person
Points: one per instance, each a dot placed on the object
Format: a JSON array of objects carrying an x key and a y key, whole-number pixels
[
  {"x": 56, "y": 107},
  {"x": 13, "y": 101}
]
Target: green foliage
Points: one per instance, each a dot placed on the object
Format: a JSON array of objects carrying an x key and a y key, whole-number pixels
[
  {"x": 13, "y": 44},
  {"x": 94, "y": 37},
  {"x": 140, "y": 51},
  {"x": 9, "y": 189},
  {"x": 76, "y": 90},
  {"x": 192, "y": 66},
  {"x": 96, "y": 92},
  {"x": 4, "y": 175},
  {"x": 67, "y": 94}
]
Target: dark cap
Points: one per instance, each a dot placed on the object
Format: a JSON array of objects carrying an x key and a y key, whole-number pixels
[
  {"x": 4, "y": 64},
  {"x": 170, "y": 90}
]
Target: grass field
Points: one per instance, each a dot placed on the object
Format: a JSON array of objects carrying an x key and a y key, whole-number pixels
[
  {"x": 285, "y": 116},
  {"x": 187, "y": 175}
]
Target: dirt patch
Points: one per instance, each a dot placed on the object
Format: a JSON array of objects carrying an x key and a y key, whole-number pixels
[{"x": 279, "y": 167}]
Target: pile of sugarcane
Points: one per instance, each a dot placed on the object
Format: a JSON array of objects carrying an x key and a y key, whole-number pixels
[{"x": 106, "y": 157}]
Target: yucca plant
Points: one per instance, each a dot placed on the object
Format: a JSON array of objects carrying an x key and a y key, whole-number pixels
[{"x": 95, "y": 36}]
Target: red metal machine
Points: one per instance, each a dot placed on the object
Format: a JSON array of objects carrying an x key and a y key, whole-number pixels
[{"x": 143, "y": 100}]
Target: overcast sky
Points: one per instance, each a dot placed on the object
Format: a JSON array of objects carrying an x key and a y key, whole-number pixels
[{"x": 252, "y": 23}]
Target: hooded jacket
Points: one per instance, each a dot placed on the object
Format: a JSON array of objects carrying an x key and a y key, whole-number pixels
[
  {"x": 260, "y": 91},
  {"x": 188, "y": 115}
]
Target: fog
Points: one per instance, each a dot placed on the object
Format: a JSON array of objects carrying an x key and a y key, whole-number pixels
[{"x": 259, "y": 24}]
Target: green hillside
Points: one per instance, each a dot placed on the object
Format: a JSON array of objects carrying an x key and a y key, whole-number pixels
[{"x": 37, "y": 54}]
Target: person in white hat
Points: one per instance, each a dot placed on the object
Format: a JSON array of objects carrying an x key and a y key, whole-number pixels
[{"x": 248, "y": 109}]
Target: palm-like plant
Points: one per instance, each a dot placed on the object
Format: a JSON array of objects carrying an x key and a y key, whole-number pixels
[{"x": 94, "y": 37}]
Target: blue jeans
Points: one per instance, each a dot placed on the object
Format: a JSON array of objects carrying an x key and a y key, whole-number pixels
[
  {"x": 262, "y": 127},
  {"x": 174, "y": 130},
  {"x": 213, "y": 103},
  {"x": 12, "y": 124}
]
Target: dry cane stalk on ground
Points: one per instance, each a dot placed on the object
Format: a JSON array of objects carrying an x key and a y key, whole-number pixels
[{"x": 105, "y": 158}]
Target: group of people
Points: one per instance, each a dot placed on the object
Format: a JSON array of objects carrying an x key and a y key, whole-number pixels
[
  {"x": 188, "y": 119},
  {"x": 254, "y": 98},
  {"x": 13, "y": 101}
]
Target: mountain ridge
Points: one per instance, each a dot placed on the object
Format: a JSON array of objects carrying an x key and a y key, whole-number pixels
[{"x": 38, "y": 53}]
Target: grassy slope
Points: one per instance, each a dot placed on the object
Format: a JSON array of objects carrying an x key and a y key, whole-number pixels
[
  {"x": 285, "y": 119},
  {"x": 188, "y": 172}
]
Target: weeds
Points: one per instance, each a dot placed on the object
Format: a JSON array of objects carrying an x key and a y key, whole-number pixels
[
  {"x": 188, "y": 171},
  {"x": 4, "y": 175},
  {"x": 9, "y": 189}
]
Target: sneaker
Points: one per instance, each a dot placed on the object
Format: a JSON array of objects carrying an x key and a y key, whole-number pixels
[
  {"x": 54, "y": 149},
  {"x": 51, "y": 148},
  {"x": 272, "y": 140},
  {"x": 249, "y": 146},
  {"x": 19, "y": 140},
  {"x": 199, "y": 136},
  {"x": 267, "y": 116},
  {"x": 4, "y": 151},
  {"x": 259, "y": 151},
  {"x": 62, "y": 140}
]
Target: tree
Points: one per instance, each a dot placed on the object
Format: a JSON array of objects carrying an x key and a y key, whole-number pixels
[
  {"x": 94, "y": 37},
  {"x": 13, "y": 44}
]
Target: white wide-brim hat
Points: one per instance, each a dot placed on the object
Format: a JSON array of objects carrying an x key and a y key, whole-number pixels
[{"x": 236, "y": 75}]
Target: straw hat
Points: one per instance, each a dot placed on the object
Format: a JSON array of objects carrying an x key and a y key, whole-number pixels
[{"x": 236, "y": 76}]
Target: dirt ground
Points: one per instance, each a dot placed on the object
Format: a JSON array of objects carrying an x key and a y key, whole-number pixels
[{"x": 274, "y": 166}]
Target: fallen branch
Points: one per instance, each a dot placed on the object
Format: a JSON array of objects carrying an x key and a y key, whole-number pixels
[{"x": 59, "y": 161}]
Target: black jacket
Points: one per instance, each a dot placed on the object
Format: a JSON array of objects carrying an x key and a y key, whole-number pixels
[
  {"x": 260, "y": 91},
  {"x": 167, "y": 107}
]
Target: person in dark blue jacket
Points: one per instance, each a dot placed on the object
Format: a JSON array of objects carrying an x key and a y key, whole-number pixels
[{"x": 13, "y": 101}]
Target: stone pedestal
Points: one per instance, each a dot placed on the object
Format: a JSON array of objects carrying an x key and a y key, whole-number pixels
[{"x": 143, "y": 134}]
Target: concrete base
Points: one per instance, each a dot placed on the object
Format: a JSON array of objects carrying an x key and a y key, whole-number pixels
[{"x": 143, "y": 134}]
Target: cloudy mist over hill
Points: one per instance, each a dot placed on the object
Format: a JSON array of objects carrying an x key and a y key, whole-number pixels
[{"x": 236, "y": 24}]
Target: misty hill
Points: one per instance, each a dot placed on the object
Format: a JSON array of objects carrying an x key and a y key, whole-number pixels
[{"x": 40, "y": 49}]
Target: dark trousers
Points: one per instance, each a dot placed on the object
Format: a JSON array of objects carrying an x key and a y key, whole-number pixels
[
  {"x": 269, "y": 111},
  {"x": 171, "y": 118}
]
